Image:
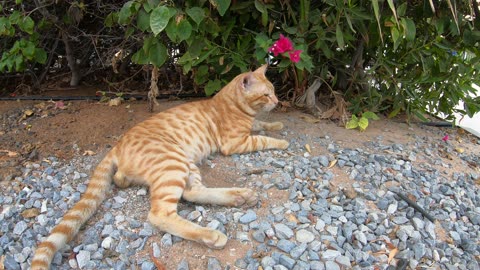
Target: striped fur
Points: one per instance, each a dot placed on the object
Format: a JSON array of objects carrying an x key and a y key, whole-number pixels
[{"x": 162, "y": 151}]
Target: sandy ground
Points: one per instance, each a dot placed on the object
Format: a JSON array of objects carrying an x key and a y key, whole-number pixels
[{"x": 88, "y": 127}]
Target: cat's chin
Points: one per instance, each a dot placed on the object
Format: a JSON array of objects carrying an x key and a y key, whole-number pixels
[{"x": 268, "y": 107}]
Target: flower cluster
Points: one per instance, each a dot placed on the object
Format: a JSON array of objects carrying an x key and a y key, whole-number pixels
[{"x": 284, "y": 45}]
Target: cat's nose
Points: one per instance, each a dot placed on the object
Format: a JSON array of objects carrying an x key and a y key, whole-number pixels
[{"x": 275, "y": 100}]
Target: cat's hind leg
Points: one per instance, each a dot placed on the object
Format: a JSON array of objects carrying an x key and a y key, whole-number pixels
[
  {"x": 198, "y": 193},
  {"x": 165, "y": 192},
  {"x": 261, "y": 125}
]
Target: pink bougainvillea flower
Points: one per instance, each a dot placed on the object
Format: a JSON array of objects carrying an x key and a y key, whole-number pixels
[
  {"x": 283, "y": 44},
  {"x": 445, "y": 138},
  {"x": 295, "y": 56}
]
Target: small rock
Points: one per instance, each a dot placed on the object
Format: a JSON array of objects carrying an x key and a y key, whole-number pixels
[
  {"x": 285, "y": 245},
  {"x": 249, "y": 216},
  {"x": 304, "y": 236},
  {"x": 148, "y": 266},
  {"x": 330, "y": 254},
  {"x": 331, "y": 265},
  {"x": 283, "y": 231},
  {"x": 213, "y": 264},
  {"x": 183, "y": 265},
  {"x": 20, "y": 227},
  {"x": 83, "y": 258}
]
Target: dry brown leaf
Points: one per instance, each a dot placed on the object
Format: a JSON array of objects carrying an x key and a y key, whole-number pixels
[
  {"x": 285, "y": 104},
  {"x": 307, "y": 147},
  {"x": 332, "y": 163},
  {"x": 115, "y": 102},
  {"x": 9, "y": 153},
  {"x": 30, "y": 213},
  {"x": 28, "y": 113},
  {"x": 329, "y": 113},
  {"x": 89, "y": 153},
  {"x": 309, "y": 119},
  {"x": 350, "y": 192},
  {"x": 292, "y": 218},
  {"x": 392, "y": 254},
  {"x": 2, "y": 264},
  {"x": 157, "y": 262},
  {"x": 390, "y": 245}
]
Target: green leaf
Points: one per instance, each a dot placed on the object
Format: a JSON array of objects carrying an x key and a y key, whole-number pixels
[
  {"x": 125, "y": 13},
  {"x": 401, "y": 10},
  {"x": 395, "y": 37},
  {"x": 370, "y": 115},
  {"x": 260, "y": 6},
  {"x": 184, "y": 29},
  {"x": 40, "y": 56},
  {"x": 140, "y": 57},
  {"x": 159, "y": 19},
  {"x": 362, "y": 123},
  {"x": 376, "y": 11},
  {"x": 143, "y": 20},
  {"x": 339, "y": 35},
  {"x": 27, "y": 25},
  {"x": 352, "y": 123},
  {"x": 158, "y": 54},
  {"x": 15, "y": 17},
  {"x": 196, "y": 13},
  {"x": 171, "y": 31},
  {"x": 221, "y": 5},
  {"x": 394, "y": 112},
  {"x": 29, "y": 51},
  {"x": 212, "y": 87},
  {"x": 410, "y": 29},
  {"x": 18, "y": 2},
  {"x": 111, "y": 19}
]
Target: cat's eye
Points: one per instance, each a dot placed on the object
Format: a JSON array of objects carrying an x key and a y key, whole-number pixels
[{"x": 267, "y": 95}]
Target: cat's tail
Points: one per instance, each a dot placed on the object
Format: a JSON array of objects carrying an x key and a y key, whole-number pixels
[{"x": 72, "y": 221}]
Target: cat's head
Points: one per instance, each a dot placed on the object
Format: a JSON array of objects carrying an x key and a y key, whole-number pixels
[{"x": 256, "y": 90}]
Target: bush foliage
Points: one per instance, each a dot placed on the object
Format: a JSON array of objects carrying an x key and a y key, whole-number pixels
[{"x": 383, "y": 56}]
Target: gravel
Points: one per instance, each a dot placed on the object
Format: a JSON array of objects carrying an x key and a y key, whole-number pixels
[{"x": 356, "y": 226}]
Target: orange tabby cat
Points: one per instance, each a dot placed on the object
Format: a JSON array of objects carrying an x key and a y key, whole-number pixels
[{"x": 162, "y": 151}]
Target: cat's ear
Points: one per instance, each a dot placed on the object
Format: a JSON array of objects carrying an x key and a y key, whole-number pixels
[
  {"x": 261, "y": 70},
  {"x": 247, "y": 80}
]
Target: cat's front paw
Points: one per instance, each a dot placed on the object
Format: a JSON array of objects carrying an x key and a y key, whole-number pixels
[
  {"x": 275, "y": 126},
  {"x": 244, "y": 197},
  {"x": 283, "y": 144},
  {"x": 214, "y": 239}
]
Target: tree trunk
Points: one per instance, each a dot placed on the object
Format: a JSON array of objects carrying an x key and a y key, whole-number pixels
[{"x": 76, "y": 76}]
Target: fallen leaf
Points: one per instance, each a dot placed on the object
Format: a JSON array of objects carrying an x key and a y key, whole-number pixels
[
  {"x": 2, "y": 260},
  {"x": 307, "y": 146},
  {"x": 392, "y": 254},
  {"x": 332, "y": 163},
  {"x": 115, "y": 102},
  {"x": 128, "y": 106},
  {"x": 9, "y": 153},
  {"x": 459, "y": 150},
  {"x": 28, "y": 113},
  {"x": 157, "y": 262},
  {"x": 285, "y": 104},
  {"x": 60, "y": 105},
  {"x": 292, "y": 218},
  {"x": 40, "y": 105},
  {"x": 390, "y": 245},
  {"x": 350, "y": 192},
  {"x": 309, "y": 119},
  {"x": 89, "y": 153},
  {"x": 30, "y": 213}
]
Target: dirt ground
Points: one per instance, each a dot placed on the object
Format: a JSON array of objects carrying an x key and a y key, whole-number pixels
[{"x": 32, "y": 130}]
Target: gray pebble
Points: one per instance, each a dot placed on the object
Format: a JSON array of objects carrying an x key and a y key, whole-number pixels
[{"x": 213, "y": 264}]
